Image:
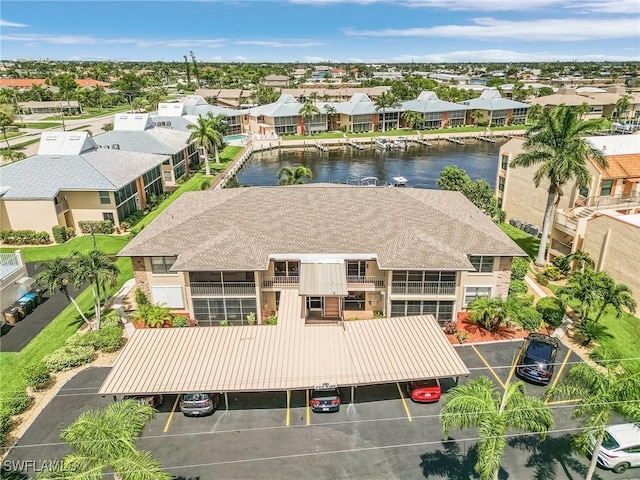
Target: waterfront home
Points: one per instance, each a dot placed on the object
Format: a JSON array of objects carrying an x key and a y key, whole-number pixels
[
  {"x": 437, "y": 113},
  {"x": 497, "y": 111},
  {"x": 179, "y": 115}
]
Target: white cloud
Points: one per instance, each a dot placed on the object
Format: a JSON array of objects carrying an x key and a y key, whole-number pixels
[
  {"x": 239, "y": 58},
  {"x": 5, "y": 23},
  {"x": 280, "y": 44},
  {"x": 89, "y": 40},
  {"x": 608, "y": 6},
  {"x": 492, "y": 55},
  {"x": 557, "y": 30}
]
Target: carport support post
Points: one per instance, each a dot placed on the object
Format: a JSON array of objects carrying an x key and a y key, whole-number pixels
[
  {"x": 288, "y": 398},
  {"x": 353, "y": 392},
  {"x": 226, "y": 401}
]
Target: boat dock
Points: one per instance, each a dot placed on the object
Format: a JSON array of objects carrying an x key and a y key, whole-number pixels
[
  {"x": 454, "y": 140},
  {"x": 485, "y": 139},
  {"x": 320, "y": 146},
  {"x": 354, "y": 144}
]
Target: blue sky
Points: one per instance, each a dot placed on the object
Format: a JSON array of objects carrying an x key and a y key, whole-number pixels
[{"x": 369, "y": 31}]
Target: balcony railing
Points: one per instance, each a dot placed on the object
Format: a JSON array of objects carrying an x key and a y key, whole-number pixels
[
  {"x": 62, "y": 206},
  {"x": 560, "y": 247},
  {"x": 280, "y": 282},
  {"x": 604, "y": 202},
  {"x": 376, "y": 281},
  {"x": 566, "y": 221},
  {"x": 9, "y": 263},
  {"x": 424, "y": 288},
  {"x": 222, "y": 289}
]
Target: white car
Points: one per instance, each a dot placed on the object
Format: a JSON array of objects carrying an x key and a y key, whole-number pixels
[{"x": 620, "y": 447}]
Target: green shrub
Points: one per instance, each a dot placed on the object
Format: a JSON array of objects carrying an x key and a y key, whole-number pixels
[
  {"x": 69, "y": 356},
  {"x": 70, "y": 232},
  {"x": 552, "y": 310},
  {"x": 24, "y": 237},
  {"x": 59, "y": 233},
  {"x": 80, "y": 340},
  {"x": 111, "y": 319},
  {"x": 529, "y": 318},
  {"x": 134, "y": 218},
  {"x": 124, "y": 226},
  {"x": 519, "y": 268},
  {"x": 517, "y": 287},
  {"x": 378, "y": 315},
  {"x": 37, "y": 376},
  {"x": 179, "y": 322},
  {"x": 605, "y": 356},
  {"x": 251, "y": 318},
  {"x": 552, "y": 272},
  {"x": 272, "y": 320},
  {"x": 108, "y": 339},
  {"x": 589, "y": 331},
  {"x": 96, "y": 226},
  {"x": 562, "y": 263},
  {"x": 141, "y": 297},
  {"x": 14, "y": 402},
  {"x": 542, "y": 279},
  {"x": 6, "y": 424}
]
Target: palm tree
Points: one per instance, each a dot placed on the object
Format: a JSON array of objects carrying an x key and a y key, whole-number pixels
[
  {"x": 534, "y": 112},
  {"x": 623, "y": 105},
  {"x": 219, "y": 126},
  {"x": 207, "y": 135},
  {"x": 329, "y": 110},
  {"x": 583, "y": 109},
  {"x": 7, "y": 117},
  {"x": 104, "y": 441},
  {"x": 290, "y": 176},
  {"x": 13, "y": 156},
  {"x": 96, "y": 268},
  {"x": 480, "y": 405},
  {"x": 599, "y": 394},
  {"x": 617, "y": 295},
  {"x": 308, "y": 111},
  {"x": 580, "y": 260},
  {"x": 138, "y": 104},
  {"x": 476, "y": 115},
  {"x": 54, "y": 274},
  {"x": 414, "y": 119},
  {"x": 488, "y": 312},
  {"x": 556, "y": 142},
  {"x": 154, "y": 97},
  {"x": 385, "y": 100},
  {"x": 584, "y": 287}
]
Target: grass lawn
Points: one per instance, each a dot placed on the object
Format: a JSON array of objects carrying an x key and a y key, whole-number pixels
[
  {"x": 525, "y": 241},
  {"x": 93, "y": 112},
  {"x": 20, "y": 146},
  {"x": 625, "y": 337},
  {"x": 53, "y": 335},
  {"x": 108, "y": 244},
  {"x": 42, "y": 125}
]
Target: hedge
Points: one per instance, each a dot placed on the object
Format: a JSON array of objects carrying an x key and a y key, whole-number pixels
[
  {"x": 68, "y": 357},
  {"x": 37, "y": 376},
  {"x": 96, "y": 226},
  {"x": 24, "y": 237},
  {"x": 552, "y": 310},
  {"x": 519, "y": 268},
  {"x": 59, "y": 233},
  {"x": 517, "y": 287}
]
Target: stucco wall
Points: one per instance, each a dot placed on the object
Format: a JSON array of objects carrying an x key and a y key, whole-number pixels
[
  {"x": 87, "y": 206},
  {"x": 498, "y": 280},
  {"x": 38, "y": 215},
  {"x": 619, "y": 255}
]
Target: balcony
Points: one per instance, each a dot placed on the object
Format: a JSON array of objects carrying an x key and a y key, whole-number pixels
[
  {"x": 423, "y": 288},
  {"x": 62, "y": 206},
  {"x": 280, "y": 282},
  {"x": 218, "y": 289},
  {"x": 559, "y": 247},
  {"x": 616, "y": 202},
  {"x": 357, "y": 281},
  {"x": 563, "y": 220},
  {"x": 9, "y": 263}
]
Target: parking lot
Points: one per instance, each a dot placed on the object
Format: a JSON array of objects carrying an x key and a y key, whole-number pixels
[{"x": 380, "y": 434}]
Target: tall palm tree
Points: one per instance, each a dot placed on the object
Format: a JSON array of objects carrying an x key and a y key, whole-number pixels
[
  {"x": 618, "y": 295},
  {"x": 478, "y": 404},
  {"x": 414, "y": 119},
  {"x": 330, "y": 111},
  {"x": 96, "y": 268},
  {"x": 535, "y": 112},
  {"x": 54, "y": 274},
  {"x": 582, "y": 110},
  {"x": 556, "y": 143},
  {"x": 385, "y": 100},
  {"x": 7, "y": 117},
  {"x": 599, "y": 394},
  {"x": 623, "y": 105},
  {"x": 291, "y": 176},
  {"x": 104, "y": 441},
  {"x": 219, "y": 125},
  {"x": 308, "y": 111},
  {"x": 207, "y": 137}
]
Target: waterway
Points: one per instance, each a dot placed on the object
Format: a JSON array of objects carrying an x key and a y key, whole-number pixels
[{"x": 420, "y": 165}]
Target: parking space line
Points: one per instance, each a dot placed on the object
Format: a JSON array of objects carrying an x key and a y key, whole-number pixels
[
  {"x": 288, "y": 408},
  {"x": 308, "y": 408},
  {"x": 564, "y": 363},
  {"x": 488, "y": 366},
  {"x": 404, "y": 402},
  {"x": 173, "y": 409},
  {"x": 513, "y": 366}
]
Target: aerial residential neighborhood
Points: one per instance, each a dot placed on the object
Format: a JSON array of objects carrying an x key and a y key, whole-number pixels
[{"x": 401, "y": 244}]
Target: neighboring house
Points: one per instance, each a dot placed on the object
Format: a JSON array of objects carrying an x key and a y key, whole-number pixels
[
  {"x": 497, "y": 110},
  {"x": 332, "y": 94},
  {"x": 197, "y": 106},
  {"x": 26, "y": 83},
  {"x": 14, "y": 280},
  {"x": 246, "y": 246},
  {"x": 569, "y": 97},
  {"x": 226, "y": 97},
  {"x": 72, "y": 179},
  {"x": 71, "y": 107},
  {"x": 276, "y": 81},
  {"x": 437, "y": 113},
  {"x": 136, "y": 132},
  {"x": 359, "y": 114},
  {"x": 283, "y": 118},
  {"x": 614, "y": 190}
]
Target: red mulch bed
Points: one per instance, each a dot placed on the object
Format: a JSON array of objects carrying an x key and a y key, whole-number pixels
[{"x": 479, "y": 334}]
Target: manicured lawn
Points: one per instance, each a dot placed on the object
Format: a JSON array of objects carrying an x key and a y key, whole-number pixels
[
  {"x": 42, "y": 125},
  {"x": 525, "y": 241},
  {"x": 53, "y": 335},
  {"x": 108, "y": 244},
  {"x": 228, "y": 154},
  {"x": 93, "y": 112},
  {"x": 20, "y": 146},
  {"x": 625, "y": 337}
]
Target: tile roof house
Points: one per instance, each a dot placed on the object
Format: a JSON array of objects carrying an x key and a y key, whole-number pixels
[{"x": 72, "y": 179}]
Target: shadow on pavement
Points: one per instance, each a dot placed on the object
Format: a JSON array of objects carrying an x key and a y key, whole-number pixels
[{"x": 452, "y": 463}]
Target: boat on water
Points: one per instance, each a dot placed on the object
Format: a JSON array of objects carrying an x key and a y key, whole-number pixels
[
  {"x": 374, "y": 182},
  {"x": 383, "y": 143},
  {"x": 400, "y": 142},
  {"x": 399, "y": 182}
]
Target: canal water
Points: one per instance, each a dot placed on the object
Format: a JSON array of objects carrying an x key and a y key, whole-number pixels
[{"x": 420, "y": 165}]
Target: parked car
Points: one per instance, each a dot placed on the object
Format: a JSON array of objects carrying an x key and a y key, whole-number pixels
[
  {"x": 325, "y": 398},
  {"x": 620, "y": 447},
  {"x": 425, "y": 391},
  {"x": 537, "y": 358},
  {"x": 198, "y": 404},
  {"x": 154, "y": 401}
]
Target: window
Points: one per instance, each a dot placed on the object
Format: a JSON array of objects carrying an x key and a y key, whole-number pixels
[
  {"x": 354, "y": 301},
  {"x": 108, "y": 216},
  {"x": 471, "y": 293},
  {"x": 105, "y": 198},
  {"x": 505, "y": 162},
  {"x": 441, "y": 310},
  {"x": 501, "y": 184},
  {"x": 286, "y": 269},
  {"x": 162, "y": 265},
  {"x": 482, "y": 264},
  {"x": 605, "y": 188},
  {"x": 211, "y": 311},
  {"x": 166, "y": 176},
  {"x": 356, "y": 268}
]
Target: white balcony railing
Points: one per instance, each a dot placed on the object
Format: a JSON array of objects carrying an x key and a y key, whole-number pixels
[
  {"x": 424, "y": 288},
  {"x": 613, "y": 201},
  {"x": 9, "y": 263},
  {"x": 566, "y": 221},
  {"x": 222, "y": 289},
  {"x": 280, "y": 282},
  {"x": 376, "y": 281}
]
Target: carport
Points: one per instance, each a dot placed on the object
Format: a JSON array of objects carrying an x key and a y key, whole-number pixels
[{"x": 287, "y": 356}]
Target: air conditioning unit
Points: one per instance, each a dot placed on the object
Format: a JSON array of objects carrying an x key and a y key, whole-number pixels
[
  {"x": 512, "y": 222},
  {"x": 534, "y": 230},
  {"x": 517, "y": 223},
  {"x": 116, "y": 146},
  {"x": 527, "y": 228}
]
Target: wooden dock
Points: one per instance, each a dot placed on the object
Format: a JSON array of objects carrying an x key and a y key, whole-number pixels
[
  {"x": 454, "y": 140},
  {"x": 354, "y": 144},
  {"x": 320, "y": 146},
  {"x": 485, "y": 139},
  {"x": 419, "y": 141}
]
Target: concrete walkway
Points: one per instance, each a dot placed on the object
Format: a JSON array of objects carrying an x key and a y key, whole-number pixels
[
  {"x": 566, "y": 321},
  {"x": 117, "y": 304}
]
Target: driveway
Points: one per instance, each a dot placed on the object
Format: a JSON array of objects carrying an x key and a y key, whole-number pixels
[
  {"x": 381, "y": 435},
  {"x": 15, "y": 338}
]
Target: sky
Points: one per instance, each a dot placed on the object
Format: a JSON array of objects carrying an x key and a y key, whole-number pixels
[{"x": 368, "y": 31}]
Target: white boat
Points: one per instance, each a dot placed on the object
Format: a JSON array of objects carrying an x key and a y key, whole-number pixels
[
  {"x": 399, "y": 182},
  {"x": 383, "y": 143},
  {"x": 369, "y": 182}
]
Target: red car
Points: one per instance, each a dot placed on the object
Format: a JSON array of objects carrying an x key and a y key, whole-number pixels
[{"x": 424, "y": 391}]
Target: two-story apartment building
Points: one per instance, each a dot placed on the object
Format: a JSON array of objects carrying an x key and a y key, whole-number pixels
[
  {"x": 72, "y": 179},
  {"x": 437, "y": 113},
  {"x": 497, "y": 110}
]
